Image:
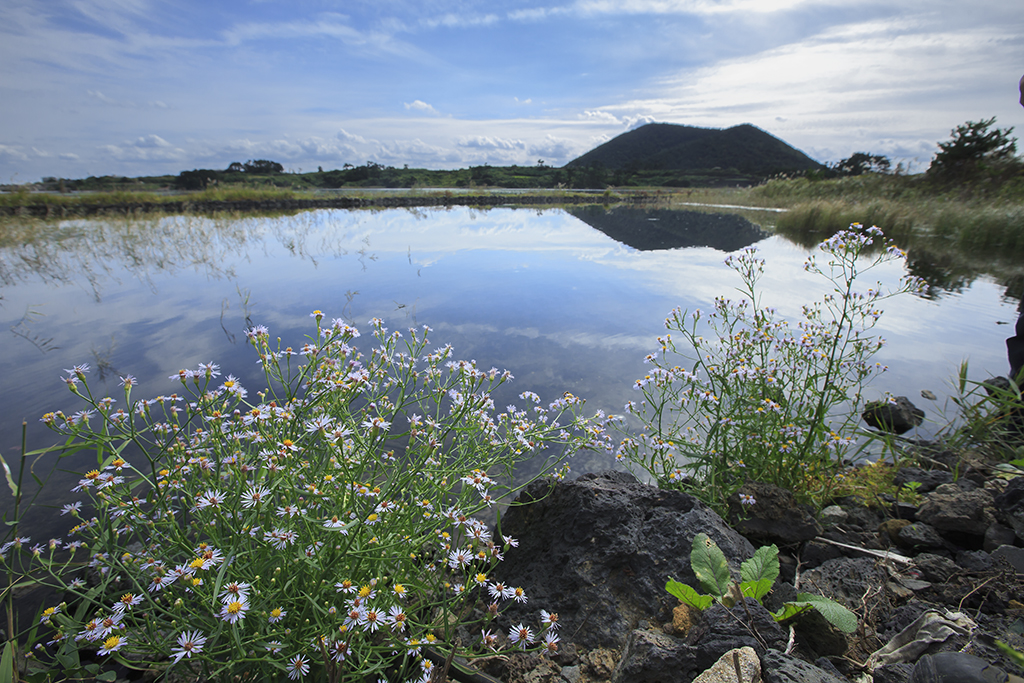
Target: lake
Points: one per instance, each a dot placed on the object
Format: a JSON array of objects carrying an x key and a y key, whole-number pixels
[{"x": 566, "y": 299}]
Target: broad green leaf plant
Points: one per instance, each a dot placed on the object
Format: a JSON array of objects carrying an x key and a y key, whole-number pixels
[
  {"x": 741, "y": 393},
  {"x": 757, "y": 576}
]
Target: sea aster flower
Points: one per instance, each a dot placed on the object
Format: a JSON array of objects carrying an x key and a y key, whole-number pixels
[{"x": 188, "y": 643}]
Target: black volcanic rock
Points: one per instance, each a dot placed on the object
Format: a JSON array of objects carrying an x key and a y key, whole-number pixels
[{"x": 598, "y": 551}]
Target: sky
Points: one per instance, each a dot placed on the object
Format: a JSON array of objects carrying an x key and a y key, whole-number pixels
[{"x": 147, "y": 87}]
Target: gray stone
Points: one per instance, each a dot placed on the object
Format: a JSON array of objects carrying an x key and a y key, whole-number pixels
[
  {"x": 897, "y": 417},
  {"x": 845, "y": 579},
  {"x": 997, "y": 535},
  {"x": 774, "y": 518},
  {"x": 892, "y": 673},
  {"x": 1012, "y": 554},
  {"x": 571, "y": 674},
  {"x": 724, "y": 670},
  {"x": 1010, "y": 504},
  {"x": 929, "y": 480},
  {"x": 777, "y": 667},
  {"x": 654, "y": 657},
  {"x": 598, "y": 551},
  {"x": 949, "y": 508},
  {"x": 919, "y": 535},
  {"x": 833, "y": 515},
  {"x": 935, "y": 567},
  {"x": 722, "y": 629},
  {"x": 955, "y": 667},
  {"x": 975, "y": 561}
]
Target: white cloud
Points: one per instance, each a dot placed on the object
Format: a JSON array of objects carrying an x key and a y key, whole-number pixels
[
  {"x": 487, "y": 142},
  {"x": 601, "y": 116},
  {"x": 420, "y": 105},
  {"x": 460, "y": 20},
  {"x": 633, "y": 122},
  {"x": 345, "y": 136},
  {"x": 554, "y": 148},
  {"x": 151, "y": 141},
  {"x": 8, "y": 152}
]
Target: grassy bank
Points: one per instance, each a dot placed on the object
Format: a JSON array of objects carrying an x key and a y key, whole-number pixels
[{"x": 976, "y": 222}]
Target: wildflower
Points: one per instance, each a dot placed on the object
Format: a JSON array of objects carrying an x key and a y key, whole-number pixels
[
  {"x": 297, "y": 667},
  {"x": 209, "y": 370},
  {"x": 489, "y": 639},
  {"x": 49, "y": 612},
  {"x": 551, "y": 642},
  {"x": 234, "y": 611},
  {"x": 459, "y": 558},
  {"x": 747, "y": 499},
  {"x": 520, "y": 635},
  {"x": 549, "y": 619},
  {"x": 276, "y": 615},
  {"x": 209, "y": 499},
  {"x": 520, "y": 595},
  {"x": 396, "y": 618},
  {"x": 254, "y": 495},
  {"x": 127, "y": 601},
  {"x": 372, "y": 619},
  {"x": 188, "y": 643},
  {"x": 501, "y": 590},
  {"x": 71, "y": 508},
  {"x": 160, "y": 581},
  {"x": 112, "y": 644},
  {"x": 273, "y": 647},
  {"x": 235, "y": 591},
  {"x": 339, "y": 650}
]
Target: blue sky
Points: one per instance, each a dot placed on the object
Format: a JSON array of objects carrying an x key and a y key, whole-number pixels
[{"x": 139, "y": 87}]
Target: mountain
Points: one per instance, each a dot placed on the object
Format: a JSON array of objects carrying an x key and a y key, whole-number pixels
[{"x": 745, "y": 149}]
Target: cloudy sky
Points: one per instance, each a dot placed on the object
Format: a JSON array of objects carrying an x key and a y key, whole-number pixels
[{"x": 139, "y": 87}]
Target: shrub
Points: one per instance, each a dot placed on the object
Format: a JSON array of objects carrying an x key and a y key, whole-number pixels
[
  {"x": 747, "y": 395},
  {"x": 325, "y": 529}
]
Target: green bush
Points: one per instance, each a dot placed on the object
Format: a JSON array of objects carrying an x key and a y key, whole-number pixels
[{"x": 743, "y": 394}]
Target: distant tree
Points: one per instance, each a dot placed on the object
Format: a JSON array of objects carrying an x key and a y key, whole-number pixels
[
  {"x": 262, "y": 167},
  {"x": 971, "y": 146},
  {"x": 861, "y": 163},
  {"x": 235, "y": 167},
  {"x": 197, "y": 179}
]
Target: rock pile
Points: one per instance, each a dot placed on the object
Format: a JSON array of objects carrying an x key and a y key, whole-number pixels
[{"x": 946, "y": 576}]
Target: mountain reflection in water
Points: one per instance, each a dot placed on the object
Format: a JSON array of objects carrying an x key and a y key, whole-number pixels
[{"x": 649, "y": 229}]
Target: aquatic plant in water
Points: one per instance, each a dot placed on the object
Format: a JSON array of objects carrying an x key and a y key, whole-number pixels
[
  {"x": 325, "y": 529},
  {"x": 747, "y": 395}
]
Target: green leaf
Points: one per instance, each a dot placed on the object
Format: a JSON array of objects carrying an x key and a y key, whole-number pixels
[
  {"x": 107, "y": 676},
  {"x": 837, "y": 615},
  {"x": 757, "y": 589},
  {"x": 1014, "y": 656},
  {"x": 764, "y": 565},
  {"x": 10, "y": 477},
  {"x": 7, "y": 663},
  {"x": 791, "y": 609},
  {"x": 708, "y": 563},
  {"x": 688, "y": 595}
]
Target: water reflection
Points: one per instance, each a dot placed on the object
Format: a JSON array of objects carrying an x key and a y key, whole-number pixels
[
  {"x": 646, "y": 229},
  {"x": 564, "y": 306}
]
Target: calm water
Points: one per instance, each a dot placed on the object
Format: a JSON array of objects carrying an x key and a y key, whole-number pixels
[{"x": 566, "y": 302}]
